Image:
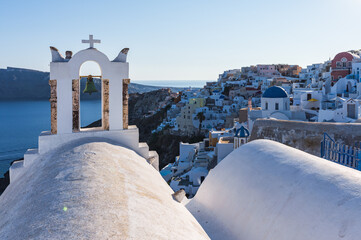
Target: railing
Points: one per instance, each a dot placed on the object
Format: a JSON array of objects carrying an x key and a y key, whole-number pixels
[{"x": 340, "y": 153}]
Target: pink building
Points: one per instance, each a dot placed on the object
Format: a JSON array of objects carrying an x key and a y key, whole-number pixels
[
  {"x": 342, "y": 65},
  {"x": 267, "y": 70}
]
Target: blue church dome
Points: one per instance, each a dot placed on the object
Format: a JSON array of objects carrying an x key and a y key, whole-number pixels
[
  {"x": 242, "y": 132},
  {"x": 275, "y": 92}
]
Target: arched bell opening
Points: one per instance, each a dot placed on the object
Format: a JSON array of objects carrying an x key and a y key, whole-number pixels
[{"x": 88, "y": 100}]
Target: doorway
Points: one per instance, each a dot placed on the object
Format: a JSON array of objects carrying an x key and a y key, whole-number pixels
[{"x": 351, "y": 111}]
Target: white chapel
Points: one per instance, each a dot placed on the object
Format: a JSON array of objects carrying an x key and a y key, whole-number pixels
[{"x": 65, "y": 105}]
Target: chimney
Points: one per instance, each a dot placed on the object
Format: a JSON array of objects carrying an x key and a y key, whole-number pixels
[{"x": 68, "y": 54}]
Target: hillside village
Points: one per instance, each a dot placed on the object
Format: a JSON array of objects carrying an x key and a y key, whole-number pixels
[
  {"x": 180, "y": 120},
  {"x": 226, "y": 110},
  {"x": 103, "y": 182}
]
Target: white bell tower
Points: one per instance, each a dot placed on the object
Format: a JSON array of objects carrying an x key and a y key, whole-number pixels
[
  {"x": 64, "y": 80},
  {"x": 64, "y": 101}
]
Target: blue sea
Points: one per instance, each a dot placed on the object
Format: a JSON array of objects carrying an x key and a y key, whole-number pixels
[{"x": 21, "y": 122}]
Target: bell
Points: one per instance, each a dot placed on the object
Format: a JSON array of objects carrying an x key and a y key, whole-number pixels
[{"x": 90, "y": 86}]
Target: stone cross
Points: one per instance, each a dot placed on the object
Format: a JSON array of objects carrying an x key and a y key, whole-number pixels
[{"x": 91, "y": 41}]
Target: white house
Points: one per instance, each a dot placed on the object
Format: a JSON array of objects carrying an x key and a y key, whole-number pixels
[
  {"x": 190, "y": 181},
  {"x": 218, "y": 97},
  {"x": 346, "y": 111},
  {"x": 311, "y": 99},
  {"x": 239, "y": 100},
  {"x": 224, "y": 147},
  {"x": 356, "y": 68},
  {"x": 345, "y": 87}
]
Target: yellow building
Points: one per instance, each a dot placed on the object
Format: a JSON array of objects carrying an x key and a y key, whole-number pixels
[
  {"x": 185, "y": 118},
  {"x": 197, "y": 102}
]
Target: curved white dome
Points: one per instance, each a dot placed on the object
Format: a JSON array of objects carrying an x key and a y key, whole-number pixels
[
  {"x": 267, "y": 190},
  {"x": 93, "y": 191}
]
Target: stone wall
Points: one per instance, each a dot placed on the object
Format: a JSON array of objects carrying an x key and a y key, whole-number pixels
[
  {"x": 76, "y": 102},
  {"x": 306, "y": 136},
  {"x": 105, "y": 118},
  {"x": 125, "y": 103},
  {"x": 53, "y": 106}
]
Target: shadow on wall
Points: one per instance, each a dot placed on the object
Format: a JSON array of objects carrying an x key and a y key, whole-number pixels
[{"x": 306, "y": 136}]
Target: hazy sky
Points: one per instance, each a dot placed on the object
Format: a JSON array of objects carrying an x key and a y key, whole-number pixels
[{"x": 180, "y": 40}]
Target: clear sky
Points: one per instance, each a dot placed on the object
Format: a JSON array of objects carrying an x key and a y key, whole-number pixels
[{"x": 180, "y": 40}]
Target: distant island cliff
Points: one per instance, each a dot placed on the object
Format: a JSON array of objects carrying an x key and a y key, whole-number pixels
[{"x": 20, "y": 84}]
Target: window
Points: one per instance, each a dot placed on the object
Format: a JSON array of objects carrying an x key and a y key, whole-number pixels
[
  {"x": 309, "y": 96},
  {"x": 276, "y": 106},
  {"x": 266, "y": 107},
  {"x": 338, "y": 64}
]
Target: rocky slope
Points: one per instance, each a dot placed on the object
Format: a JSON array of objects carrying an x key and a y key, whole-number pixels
[
  {"x": 166, "y": 144},
  {"x": 142, "y": 104}
]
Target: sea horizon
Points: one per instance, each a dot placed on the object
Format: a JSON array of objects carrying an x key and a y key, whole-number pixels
[{"x": 174, "y": 83}]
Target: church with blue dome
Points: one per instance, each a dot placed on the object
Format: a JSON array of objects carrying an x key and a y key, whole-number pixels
[{"x": 275, "y": 104}]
